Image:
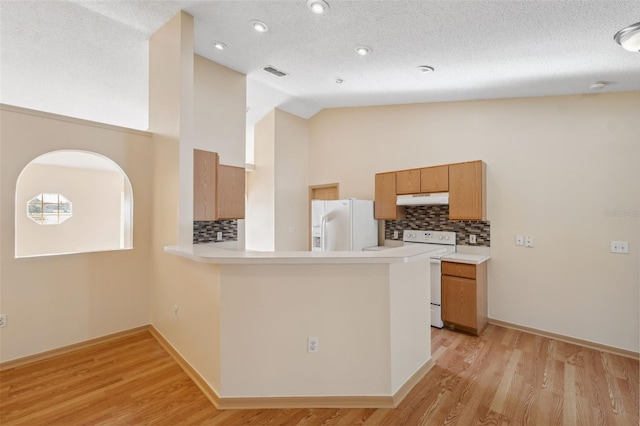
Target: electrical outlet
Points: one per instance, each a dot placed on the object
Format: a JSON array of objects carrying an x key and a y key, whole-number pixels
[
  {"x": 620, "y": 247},
  {"x": 219, "y": 236},
  {"x": 175, "y": 310},
  {"x": 395, "y": 235},
  {"x": 519, "y": 240},
  {"x": 312, "y": 344},
  {"x": 472, "y": 239},
  {"x": 528, "y": 241},
  {"x": 3, "y": 320}
]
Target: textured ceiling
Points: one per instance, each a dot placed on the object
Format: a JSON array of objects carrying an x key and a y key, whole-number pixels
[{"x": 479, "y": 49}]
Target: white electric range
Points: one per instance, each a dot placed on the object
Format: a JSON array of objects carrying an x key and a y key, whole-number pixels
[{"x": 444, "y": 243}]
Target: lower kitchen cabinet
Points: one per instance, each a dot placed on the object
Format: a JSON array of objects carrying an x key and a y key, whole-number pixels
[{"x": 464, "y": 296}]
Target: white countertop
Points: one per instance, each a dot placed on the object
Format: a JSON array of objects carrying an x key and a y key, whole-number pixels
[
  {"x": 474, "y": 259},
  {"x": 210, "y": 254}
]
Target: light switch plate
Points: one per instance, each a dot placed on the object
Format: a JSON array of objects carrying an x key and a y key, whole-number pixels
[
  {"x": 621, "y": 247},
  {"x": 528, "y": 241}
]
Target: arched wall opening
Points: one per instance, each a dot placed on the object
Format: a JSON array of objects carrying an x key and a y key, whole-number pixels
[{"x": 98, "y": 215}]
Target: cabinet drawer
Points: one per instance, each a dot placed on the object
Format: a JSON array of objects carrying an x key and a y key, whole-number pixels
[{"x": 464, "y": 270}]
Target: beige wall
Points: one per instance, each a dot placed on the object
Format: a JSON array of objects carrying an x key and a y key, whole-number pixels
[
  {"x": 260, "y": 207},
  {"x": 291, "y": 175},
  {"x": 61, "y": 300},
  {"x": 555, "y": 165},
  {"x": 220, "y": 102},
  {"x": 278, "y": 197},
  {"x": 184, "y": 303},
  {"x": 264, "y": 336},
  {"x": 96, "y": 207}
]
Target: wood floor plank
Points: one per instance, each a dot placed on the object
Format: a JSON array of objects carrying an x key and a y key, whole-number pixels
[{"x": 503, "y": 376}]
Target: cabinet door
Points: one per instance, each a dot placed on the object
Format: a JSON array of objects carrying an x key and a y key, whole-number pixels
[
  {"x": 434, "y": 179},
  {"x": 385, "y": 197},
  {"x": 467, "y": 191},
  {"x": 231, "y": 189},
  {"x": 205, "y": 180},
  {"x": 459, "y": 301},
  {"x": 408, "y": 182}
]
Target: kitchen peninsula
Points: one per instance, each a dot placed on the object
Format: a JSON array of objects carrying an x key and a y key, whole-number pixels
[{"x": 367, "y": 310}]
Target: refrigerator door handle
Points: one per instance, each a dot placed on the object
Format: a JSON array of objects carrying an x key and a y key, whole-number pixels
[{"x": 323, "y": 233}]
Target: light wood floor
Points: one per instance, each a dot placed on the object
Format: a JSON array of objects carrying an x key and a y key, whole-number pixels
[{"x": 502, "y": 377}]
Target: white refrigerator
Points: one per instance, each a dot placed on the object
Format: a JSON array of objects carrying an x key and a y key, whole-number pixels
[{"x": 343, "y": 225}]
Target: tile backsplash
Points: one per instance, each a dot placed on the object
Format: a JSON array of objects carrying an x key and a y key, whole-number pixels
[
  {"x": 436, "y": 218},
  {"x": 206, "y": 231}
]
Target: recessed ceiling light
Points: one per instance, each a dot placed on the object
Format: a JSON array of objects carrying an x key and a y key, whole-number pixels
[
  {"x": 629, "y": 38},
  {"x": 363, "y": 50},
  {"x": 425, "y": 69},
  {"x": 339, "y": 80},
  {"x": 219, "y": 45},
  {"x": 598, "y": 85},
  {"x": 318, "y": 6},
  {"x": 259, "y": 26}
]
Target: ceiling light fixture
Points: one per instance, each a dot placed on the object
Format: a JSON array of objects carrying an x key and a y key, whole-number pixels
[
  {"x": 259, "y": 26},
  {"x": 363, "y": 50},
  {"x": 598, "y": 85},
  {"x": 318, "y": 6},
  {"x": 219, "y": 45},
  {"x": 629, "y": 38},
  {"x": 426, "y": 69}
]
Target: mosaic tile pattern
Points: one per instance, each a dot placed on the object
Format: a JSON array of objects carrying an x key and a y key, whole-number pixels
[
  {"x": 436, "y": 218},
  {"x": 205, "y": 231}
]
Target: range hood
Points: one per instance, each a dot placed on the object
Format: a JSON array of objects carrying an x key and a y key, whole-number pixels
[{"x": 423, "y": 199}]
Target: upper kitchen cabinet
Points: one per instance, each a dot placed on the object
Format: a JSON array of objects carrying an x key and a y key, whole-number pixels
[
  {"x": 385, "y": 207},
  {"x": 434, "y": 179},
  {"x": 230, "y": 192},
  {"x": 205, "y": 184},
  {"x": 408, "y": 182},
  {"x": 218, "y": 190},
  {"x": 467, "y": 191}
]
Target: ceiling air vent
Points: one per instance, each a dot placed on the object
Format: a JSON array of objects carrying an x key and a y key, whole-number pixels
[{"x": 274, "y": 71}]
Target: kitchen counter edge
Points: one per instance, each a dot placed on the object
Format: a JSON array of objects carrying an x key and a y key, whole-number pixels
[
  {"x": 473, "y": 259},
  {"x": 208, "y": 254}
]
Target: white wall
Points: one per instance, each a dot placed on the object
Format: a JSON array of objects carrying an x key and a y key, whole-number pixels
[
  {"x": 56, "y": 301},
  {"x": 80, "y": 82},
  {"x": 555, "y": 166},
  {"x": 95, "y": 224}
]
